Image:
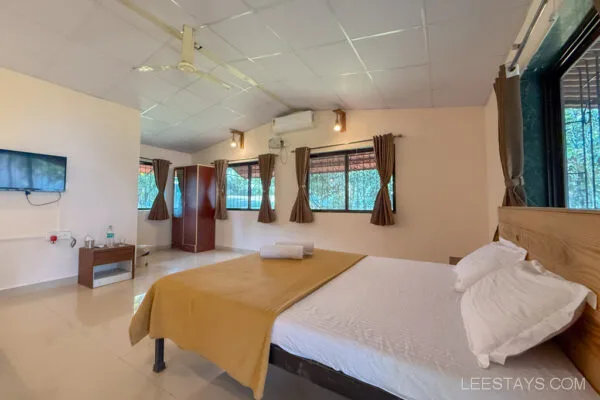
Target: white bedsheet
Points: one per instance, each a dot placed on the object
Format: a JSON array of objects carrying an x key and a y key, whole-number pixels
[{"x": 396, "y": 324}]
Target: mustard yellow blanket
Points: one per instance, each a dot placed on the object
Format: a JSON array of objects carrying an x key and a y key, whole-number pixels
[{"x": 225, "y": 312}]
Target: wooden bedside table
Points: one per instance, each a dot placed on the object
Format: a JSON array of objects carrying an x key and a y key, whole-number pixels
[{"x": 103, "y": 266}]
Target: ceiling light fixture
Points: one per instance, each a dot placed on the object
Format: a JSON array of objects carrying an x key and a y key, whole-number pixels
[
  {"x": 340, "y": 121},
  {"x": 233, "y": 143}
]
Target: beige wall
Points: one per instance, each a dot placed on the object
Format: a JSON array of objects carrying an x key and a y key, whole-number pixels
[
  {"x": 158, "y": 233},
  {"x": 440, "y": 180},
  {"x": 101, "y": 142},
  {"x": 495, "y": 178}
]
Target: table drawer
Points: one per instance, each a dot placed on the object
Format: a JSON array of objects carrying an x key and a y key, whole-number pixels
[{"x": 113, "y": 255}]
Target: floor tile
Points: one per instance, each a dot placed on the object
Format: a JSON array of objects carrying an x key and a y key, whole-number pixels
[{"x": 71, "y": 342}]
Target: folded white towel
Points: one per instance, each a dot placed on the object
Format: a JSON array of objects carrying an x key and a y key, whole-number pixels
[
  {"x": 308, "y": 247},
  {"x": 282, "y": 251}
]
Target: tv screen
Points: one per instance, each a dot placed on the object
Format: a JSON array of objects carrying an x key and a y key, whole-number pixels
[{"x": 33, "y": 172}]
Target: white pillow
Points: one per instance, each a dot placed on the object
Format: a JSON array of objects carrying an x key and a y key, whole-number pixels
[
  {"x": 518, "y": 307},
  {"x": 484, "y": 260},
  {"x": 308, "y": 247},
  {"x": 508, "y": 243},
  {"x": 282, "y": 251}
]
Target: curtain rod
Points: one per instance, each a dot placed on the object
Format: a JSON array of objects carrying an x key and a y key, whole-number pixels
[
  {"x": 345, "y": 144},
  {"x": 244, "y": 159},
  {"x": 521, "y": 46},
  {"x": 150, "y": 159}
]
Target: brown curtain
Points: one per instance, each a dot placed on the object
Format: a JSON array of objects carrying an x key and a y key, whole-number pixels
[
  {"x": 385, "y": 157},
  {"x": 597, "y": 4},
  {"x": 221, "y": 176},
  {"x": 159, "y": 210},
  {"x": 510, "y": 137},
  {"x": 301, "y": 211},
  {"x": 266, "y": 166}
]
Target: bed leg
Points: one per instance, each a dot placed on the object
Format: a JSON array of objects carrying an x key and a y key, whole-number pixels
[{"x": 159, "y": 355}]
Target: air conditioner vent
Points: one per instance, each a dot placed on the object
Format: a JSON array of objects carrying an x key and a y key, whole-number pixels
[{"x": 294, "y": 122}]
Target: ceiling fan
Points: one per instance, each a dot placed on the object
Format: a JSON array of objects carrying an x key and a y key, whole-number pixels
[
  {"x": 186, "y": 63},
  {"x": 187, "y": 52}
]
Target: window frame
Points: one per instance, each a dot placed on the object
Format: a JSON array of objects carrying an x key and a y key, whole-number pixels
[
  {"x": 346, "y": 163},
  {"x": 144, "y": 162},
  {"x": 585, "y": 36},
  {"x": 249, "y": 165}
]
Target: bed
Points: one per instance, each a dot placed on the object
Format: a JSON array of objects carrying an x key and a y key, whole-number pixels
[
  {"x": 361, "y": 336},
  {"x": 375, "y": 334}
]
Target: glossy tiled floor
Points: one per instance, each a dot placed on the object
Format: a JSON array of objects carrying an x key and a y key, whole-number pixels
[{"x": 70, "y": 342}]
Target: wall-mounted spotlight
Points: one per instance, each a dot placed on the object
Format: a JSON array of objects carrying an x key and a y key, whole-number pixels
[
  {"x": 233, "y": 143},
  {"x": 340, "y": 121}
]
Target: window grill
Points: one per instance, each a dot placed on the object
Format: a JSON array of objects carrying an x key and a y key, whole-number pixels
[
  {"x": 244, "y": 187},
  {"x": 580, "y": 89},
  {"x": 345, "y": 181}
]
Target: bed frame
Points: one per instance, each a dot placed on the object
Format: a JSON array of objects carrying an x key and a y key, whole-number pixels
[
  {"x": 315, "y": 372},
  {"x": 566, "y": 242}
]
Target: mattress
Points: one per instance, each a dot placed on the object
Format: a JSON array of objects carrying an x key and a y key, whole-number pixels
[{"x": 396, "y": 324}]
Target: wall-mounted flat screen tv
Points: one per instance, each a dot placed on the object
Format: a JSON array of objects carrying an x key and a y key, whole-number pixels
[{"x": 32, "y": 172}]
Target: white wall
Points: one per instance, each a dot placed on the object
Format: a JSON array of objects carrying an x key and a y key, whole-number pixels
[
  {"x": 158, "y": 233},
  {"x": 100, "y": 140},
  {"x": 440, "y": 180}
]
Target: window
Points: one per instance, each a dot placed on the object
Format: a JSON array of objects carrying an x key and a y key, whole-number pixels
[
  {"x": 244, "y": 187},
  {"x": 147, "y": 189},
  {"x": 345, "y": 181},
  {"x": 580, "y": 92},
  {"x": 178, "y": 193}
]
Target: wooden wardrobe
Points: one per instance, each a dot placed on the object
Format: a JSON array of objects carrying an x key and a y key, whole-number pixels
[{"x": 194, "y": 191}]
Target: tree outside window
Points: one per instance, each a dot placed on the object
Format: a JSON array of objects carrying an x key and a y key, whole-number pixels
[{"x": 147, "y": 190}]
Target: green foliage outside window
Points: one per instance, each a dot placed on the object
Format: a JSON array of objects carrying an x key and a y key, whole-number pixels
[
  {"x": 147, "y": 189},
  {"x": 177, "y": 198},
  {"x": 237, "y": 190},
  {"x": 363, "y": 187},
  {"x": 327, "y": 186},
  {"x": 327, "y": 191},
  {"x": 238, "y": 184},
  {"x": 582, "y": 157}
]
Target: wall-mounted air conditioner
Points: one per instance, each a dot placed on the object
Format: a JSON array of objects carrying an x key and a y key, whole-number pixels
[{"x": 294, "y": 122}]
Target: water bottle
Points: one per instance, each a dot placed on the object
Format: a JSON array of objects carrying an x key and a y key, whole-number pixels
[{"x": 110, "y": 237}]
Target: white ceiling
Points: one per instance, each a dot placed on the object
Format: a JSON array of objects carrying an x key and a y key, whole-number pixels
[{"x": 319, "y": 54}]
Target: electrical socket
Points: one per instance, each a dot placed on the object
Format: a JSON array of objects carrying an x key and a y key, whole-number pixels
[{"x": 61, "y": 235}]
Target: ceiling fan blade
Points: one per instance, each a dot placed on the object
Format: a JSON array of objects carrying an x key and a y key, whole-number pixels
[
  {"x": 154, "y": 68},
  {"x": 151, "y": 17},
  {"x": 179, "y": 35},
  {"x": 213, "y": 78},
  {"x": 240, "y": 75},
  {"x": 187, "y": 45}
]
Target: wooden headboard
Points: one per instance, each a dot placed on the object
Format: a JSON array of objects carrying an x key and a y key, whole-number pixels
[{"x": 566, "y": 242}]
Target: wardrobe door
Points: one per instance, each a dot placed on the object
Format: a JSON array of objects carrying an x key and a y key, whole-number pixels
[
  {"x": 190, "y": 208},
  {"x": 178, "y": 196},
  {"x": 206, "y": 208}
]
